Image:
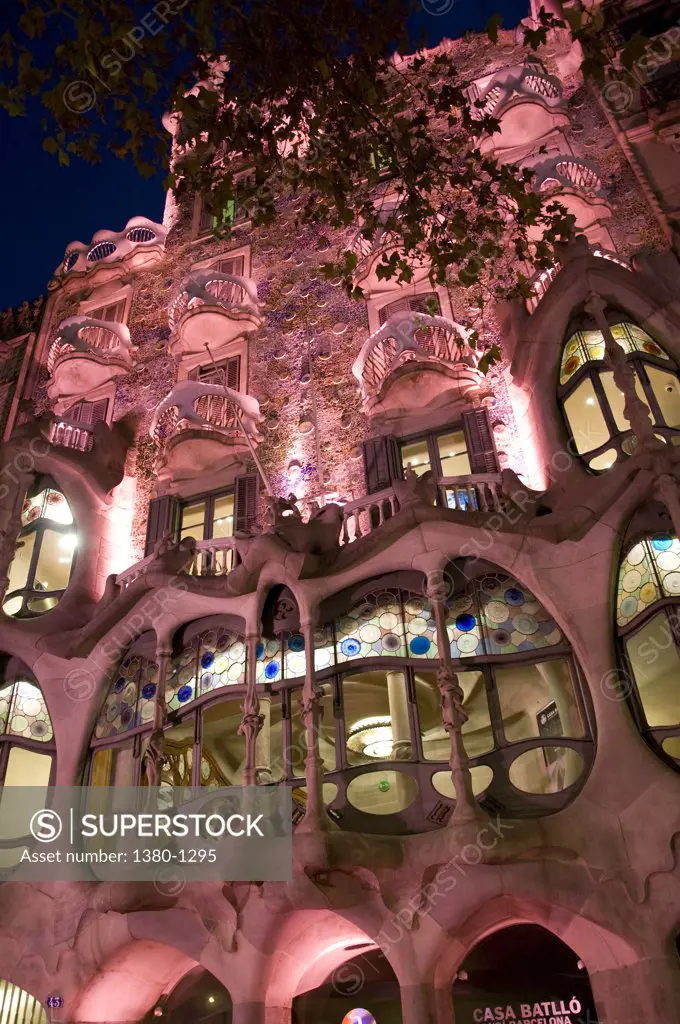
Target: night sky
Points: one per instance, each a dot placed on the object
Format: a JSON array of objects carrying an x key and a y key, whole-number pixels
[{"x": 44, "y": 207}]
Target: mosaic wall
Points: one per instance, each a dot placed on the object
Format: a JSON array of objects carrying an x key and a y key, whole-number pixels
[{"x": 649, "y": 572}]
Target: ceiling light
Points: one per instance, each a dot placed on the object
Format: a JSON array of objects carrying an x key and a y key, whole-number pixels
[{"x": 372, "y": 737}]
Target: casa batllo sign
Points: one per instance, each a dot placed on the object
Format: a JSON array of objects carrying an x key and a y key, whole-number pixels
[{"x": 551, "y": 1011}]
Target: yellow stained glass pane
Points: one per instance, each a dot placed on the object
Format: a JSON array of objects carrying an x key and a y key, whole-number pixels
[{"x": 584, "y": 416}]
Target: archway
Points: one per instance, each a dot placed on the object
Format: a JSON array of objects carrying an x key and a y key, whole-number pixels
[
  {"x": 198, "y": 997},
  {"x": 365, "y": 982},
  {"x": 523, "y": 973}
]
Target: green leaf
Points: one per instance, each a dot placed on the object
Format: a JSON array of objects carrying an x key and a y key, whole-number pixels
[{"x": 491, "y": 28}]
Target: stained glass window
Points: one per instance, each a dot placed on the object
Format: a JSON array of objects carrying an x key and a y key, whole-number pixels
[
  {"x": 588, "y": 347},
  {"x": 211, "y": 660},
  {"x": 44, "y": 553},
  {"x": 130, "y": 701},
  {"x": 498, "y": 615},
  {"x": 373, "y": 627},
  {"x": 649, "y": 571},
  {"x": 593, "y": 404},
  {"x": 23, "y": 712}
]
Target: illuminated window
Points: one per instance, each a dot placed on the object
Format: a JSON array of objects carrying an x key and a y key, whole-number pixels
[
  {"x": 45, "y": 552},
  {"x": 649, "y": 629},
  {"x": 593, "y": 404}
]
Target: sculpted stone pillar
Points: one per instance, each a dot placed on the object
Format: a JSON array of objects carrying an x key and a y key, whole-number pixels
[
  {"x": 154, "y": 755},
  {"x": 252, "y": 720},
  {"x": 646, "y": 991},
  {"x": 467, "y": 809},
  {"x": 316, "y": 816}
]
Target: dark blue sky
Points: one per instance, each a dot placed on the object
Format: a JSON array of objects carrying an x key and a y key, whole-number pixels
[{"x": 44, "y": 206}]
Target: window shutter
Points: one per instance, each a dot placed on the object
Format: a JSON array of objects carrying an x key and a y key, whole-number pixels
[
  {"x": 480, "y": 446},
  {"x": 162, "y": 515},
  {"x": 232, "y": 373},
  {"x": 381, "y": 463},
  {"x": 230, "y": 265},
  {"x": 245, "y": 502},
  {"x": 88, "y": 413},
  {"x": 98, "y": 410},
  {"x": 413, "y": 303}
]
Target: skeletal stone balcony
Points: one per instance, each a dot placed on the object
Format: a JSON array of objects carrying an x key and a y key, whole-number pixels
[
  {"x": 200, "y": 426},
  {"x": 85, "y": 354},
  {"x": 212, "y": 307},
  {"x": 141, "y": 242},
  {"x": 412, "y": 360}
]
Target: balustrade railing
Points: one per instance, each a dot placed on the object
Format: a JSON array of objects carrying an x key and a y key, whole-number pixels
[
  {"x": 215, "y": 410},
  {"x": 433, "y": 343},
  {"x": 65, "y": 434},
  {"x": 215, "y": 557},
  {"x": 97, "y": 337},
  {"x": 200, "y": 289},
  {"x": 478, "y": 492}
]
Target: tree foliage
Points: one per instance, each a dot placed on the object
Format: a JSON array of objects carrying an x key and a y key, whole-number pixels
[{"x": 302, "y": 97}]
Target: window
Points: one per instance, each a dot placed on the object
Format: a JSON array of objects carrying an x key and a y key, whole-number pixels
[
  {"x": 231, "y": 214},
  {"x": 208, "y": 517},
  {"x": 593, "y": 405},
  {"x": 453, "y": 454},
  {"x": 113, "y": 313},
  {"x": 87, "y": 414},
  {"x": 27, "y": 751},
  {"x": 427, "y": 303},
  {"x": 45, "y": 552},
  {"x": 382, "y": 741},
  {"x": 649, "y": 631},
  {"x": 227, "y": 371}
]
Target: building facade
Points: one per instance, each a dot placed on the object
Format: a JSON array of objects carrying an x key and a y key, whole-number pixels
[{"x": 255, "y": 532}]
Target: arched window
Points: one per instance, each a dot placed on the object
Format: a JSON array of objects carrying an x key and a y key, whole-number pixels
[
  {"x": 592, "y": 403},
  {"x": 382, "y": 740},
  {"x": 648, "y": 622},
  {"x": 26, "y": 736},
  {"x": 45, "y": 552}
]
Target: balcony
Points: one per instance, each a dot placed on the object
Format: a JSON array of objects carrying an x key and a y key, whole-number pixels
[
  {"x": 140, "y": 244},
  {"x": 480, "y": 492},
  {"x": 212, "y": 308},
  {"x": 196, "y": 428},
  {"x": 67, "y": 434},
  {"x": 85, "y": 354},
  {"x": 414, "y": 360}
]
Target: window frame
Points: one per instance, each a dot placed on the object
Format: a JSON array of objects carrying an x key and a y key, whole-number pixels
[
  {"x": 9, "y": 740},
  {"x": 592, "y": 371},
  {"x": 432, "y": 437},
  {"x": 39, "y": 526},
  {"x": 209, "y": 498},
  {"x": 654, "y": 735}
]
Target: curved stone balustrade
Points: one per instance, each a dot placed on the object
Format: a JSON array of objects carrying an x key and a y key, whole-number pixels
[
  {"x": 140, "y": 237},
  {"x": 85, "y": 354},
  {"x": 212, "y": 307},
  {"x": 491, "y": 96},
  {"x": 414, "y": 342},
  {"x": 196, "y": 421},
  {"x": 569, "y": 172}
]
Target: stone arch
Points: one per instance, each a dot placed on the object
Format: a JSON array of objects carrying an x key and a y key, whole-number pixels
[
  {"x": 311, "y": 946},
  {"x": 131, "y": 982},
  {"x": 595, "y": 944}
]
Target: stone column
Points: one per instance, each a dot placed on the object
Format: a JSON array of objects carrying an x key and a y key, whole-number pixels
[
  {"x": 310, "y": 714},
  {"x": 646, "y": 991},
  {"x": 154, "y": 755},
  {"x": 418, "y": 1004},
  {"x": 401, "y": 726},
  {"x": 467, "y": 809},
  {"x": 252, "y": 721},
  {"x": 247, "y": 1013},
  {"x": 263, "y": 748}
]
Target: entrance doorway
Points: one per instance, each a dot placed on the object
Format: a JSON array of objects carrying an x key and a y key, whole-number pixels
[
  {"x": 523, "y": 973},
  {"x": 365, "y": 982}
]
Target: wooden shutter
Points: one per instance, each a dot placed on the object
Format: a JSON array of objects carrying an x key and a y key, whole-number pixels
[
  {"x": 245, "y": 502},
  {"x": 88, "y": 413},
  {"x": 227, "y": 372},
  {"x": 479, "y": 438},
  {"x": 381, "y": 463},
  {"x": 112, "y": 314},
  {"x": 162, "y": 516},
  {"x": 412, "y": 303}
]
